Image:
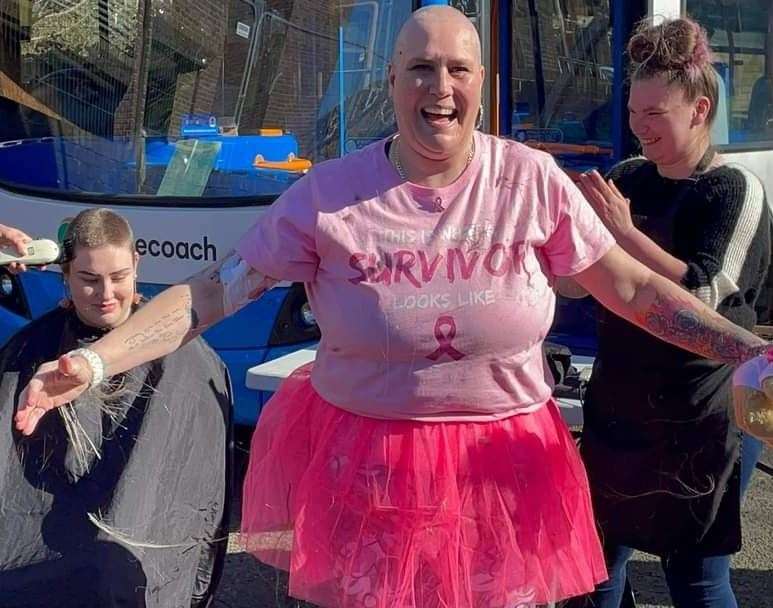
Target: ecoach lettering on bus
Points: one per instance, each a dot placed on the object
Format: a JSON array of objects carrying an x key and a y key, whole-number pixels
[{"x": 182, "y": 250}]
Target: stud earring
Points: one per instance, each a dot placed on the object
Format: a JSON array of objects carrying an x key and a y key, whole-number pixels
[{"x": 66, "y": 301}]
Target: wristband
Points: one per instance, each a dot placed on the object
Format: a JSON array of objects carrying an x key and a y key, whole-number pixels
[{"x": 95, "y": 363}]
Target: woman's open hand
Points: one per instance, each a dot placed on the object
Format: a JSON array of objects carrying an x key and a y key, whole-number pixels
[
  {"x": 610, "y": 205},
  {"x": 53, "y": 385}
]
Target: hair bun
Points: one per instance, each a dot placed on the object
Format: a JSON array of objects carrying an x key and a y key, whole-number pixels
[
  {"x": 673, "y": 45},
  {"x": 641, "y": 47}
]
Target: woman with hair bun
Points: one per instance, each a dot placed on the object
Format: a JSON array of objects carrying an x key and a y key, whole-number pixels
[{"x": 667, "y": 466}]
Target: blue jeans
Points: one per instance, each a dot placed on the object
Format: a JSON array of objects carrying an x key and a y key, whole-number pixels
[{"x": 694, "y": 582}]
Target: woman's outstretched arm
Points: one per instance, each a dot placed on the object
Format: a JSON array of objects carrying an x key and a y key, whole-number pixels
[
  {"x": 659, "y": 306},
  {"x": 174, "y": 317}
]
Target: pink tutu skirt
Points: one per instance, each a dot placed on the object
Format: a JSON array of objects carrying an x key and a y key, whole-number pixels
[{"x": 371, "y": 513}]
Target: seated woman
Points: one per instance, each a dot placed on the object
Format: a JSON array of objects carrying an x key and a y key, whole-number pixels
[{"x": 121, "y": 500}]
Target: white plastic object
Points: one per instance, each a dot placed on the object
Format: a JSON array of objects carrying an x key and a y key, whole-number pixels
[
  {"x": 39, "y": 253},
  {"x": 241, "y": 283},
  {"x": 755, "y": 374}
]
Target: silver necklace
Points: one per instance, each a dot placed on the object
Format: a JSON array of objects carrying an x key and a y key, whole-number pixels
[{"x": 394, "y": 156}]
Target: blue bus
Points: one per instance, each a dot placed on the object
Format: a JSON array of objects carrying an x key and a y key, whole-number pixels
[{"x": 191, "y": 117}]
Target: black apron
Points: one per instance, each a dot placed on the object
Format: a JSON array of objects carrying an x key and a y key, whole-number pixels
[{"x": 661, "y": 451}]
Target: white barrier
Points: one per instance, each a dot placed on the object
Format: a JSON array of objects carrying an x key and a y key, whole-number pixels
[{"x": 268, "y": 376}]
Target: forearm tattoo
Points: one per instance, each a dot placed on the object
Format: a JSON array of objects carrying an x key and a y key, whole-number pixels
[
  {"x": 171, "y": 327},
  {"x": 683, "y": 323},
  {"x": 230, "y": 284}
]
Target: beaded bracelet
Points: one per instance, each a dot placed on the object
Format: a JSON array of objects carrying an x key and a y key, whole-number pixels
[{"x": 95, "y": 363}]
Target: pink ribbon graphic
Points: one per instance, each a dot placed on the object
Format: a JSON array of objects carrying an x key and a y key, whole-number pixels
[
  {"x": 769, "y": 354},
  {"x": 444, "y": 340}
]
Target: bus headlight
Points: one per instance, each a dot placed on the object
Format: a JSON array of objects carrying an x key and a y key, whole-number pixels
[
  {"x": 295, "y": 321},
  {"x": 307, "y": 316}
]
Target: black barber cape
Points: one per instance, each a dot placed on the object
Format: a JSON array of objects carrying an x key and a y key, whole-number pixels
[{"x": 144, "y": 524}]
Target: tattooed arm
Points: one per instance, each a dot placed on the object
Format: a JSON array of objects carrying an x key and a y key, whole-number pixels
[
  {"x": 661, "y": 307},
  {"x": 168, "y": 321}
]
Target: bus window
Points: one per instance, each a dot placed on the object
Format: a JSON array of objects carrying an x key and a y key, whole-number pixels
[
  {"x": 192, "y": 98},
  {"x": 561, "y": 79},
  {"x": 741, "y": 35}
]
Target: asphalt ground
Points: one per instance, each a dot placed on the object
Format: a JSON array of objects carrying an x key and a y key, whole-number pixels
[
  {"x": 752, "y": 570},
  {"x": 248, "y": 584}
]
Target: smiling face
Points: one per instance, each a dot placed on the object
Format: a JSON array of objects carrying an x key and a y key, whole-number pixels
[
  {"x": 435, "y": 81},
  {"x": 669, "y": 127},
  {"x": 102, "y": 284}
]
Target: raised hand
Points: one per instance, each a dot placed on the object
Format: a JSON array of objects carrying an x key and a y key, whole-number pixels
[
  {"x": 54, "y": 384},
  {"x": 610, "y": 205}
]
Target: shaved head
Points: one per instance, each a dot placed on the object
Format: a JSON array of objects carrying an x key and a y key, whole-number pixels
[
  {"x": 425, "y": 21},
  {"x": 436, "y": 82}
]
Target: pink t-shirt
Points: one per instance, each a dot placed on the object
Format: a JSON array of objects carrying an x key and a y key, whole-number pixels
[{"x": 433, "y": 302}]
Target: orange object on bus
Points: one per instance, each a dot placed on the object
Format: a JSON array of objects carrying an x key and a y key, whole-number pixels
[
  {"x": 294, "y": 165},
  {"x": 560, "y": 148}
]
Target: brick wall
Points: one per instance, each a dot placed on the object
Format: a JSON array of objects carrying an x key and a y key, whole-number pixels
[
  {"x": 197, "y": 63},
  {"x": 202, "y": 21},
  {"x": 295, "y": 64},
  {"x": 10, "y": 39},
  {"x": 185, "y": 60},
  {"x": 572, "y": 53}
]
